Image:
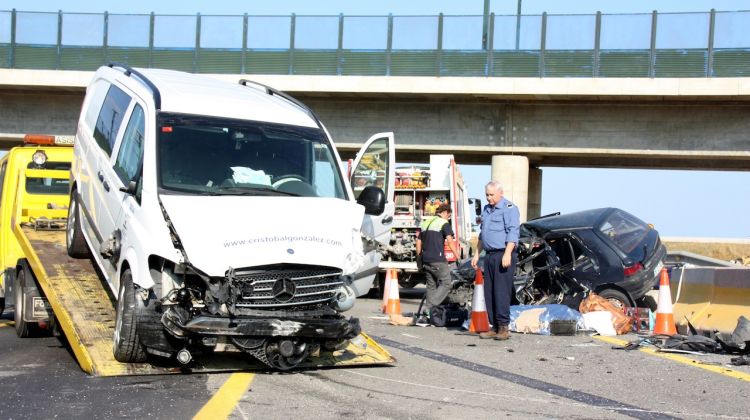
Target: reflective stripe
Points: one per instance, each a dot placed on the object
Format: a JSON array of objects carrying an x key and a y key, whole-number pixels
[{"x": 435, "y": 223}]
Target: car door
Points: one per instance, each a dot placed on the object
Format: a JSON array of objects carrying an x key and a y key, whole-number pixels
[
  {"x": 375, "y": 165},
  {"x": 579, "y": 262},
  {"x": 126, "y": 167},
  {"x": 102, "y": 208}
]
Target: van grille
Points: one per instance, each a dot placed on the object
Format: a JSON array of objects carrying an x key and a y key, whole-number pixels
[{"x": 286, "y": 286}]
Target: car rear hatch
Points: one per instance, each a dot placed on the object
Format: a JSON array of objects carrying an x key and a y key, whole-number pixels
[{"x": 636, "y": 242}]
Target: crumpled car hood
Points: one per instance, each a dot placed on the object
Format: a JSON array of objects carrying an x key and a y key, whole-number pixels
[{"x": 233, "y": 231}]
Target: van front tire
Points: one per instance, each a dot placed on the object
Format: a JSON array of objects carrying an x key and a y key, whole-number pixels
[
  {"x": 74, "y": 240},
  {"x": 126, "y": 344}
]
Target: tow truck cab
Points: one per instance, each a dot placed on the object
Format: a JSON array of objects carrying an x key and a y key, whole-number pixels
[{"x": 34, "y": 179}]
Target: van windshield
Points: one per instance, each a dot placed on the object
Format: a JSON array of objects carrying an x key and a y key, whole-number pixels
[{"x": 217, "y": 156}]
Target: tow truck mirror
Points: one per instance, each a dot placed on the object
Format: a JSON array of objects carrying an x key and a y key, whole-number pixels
[{"x": 373, "y": 199}]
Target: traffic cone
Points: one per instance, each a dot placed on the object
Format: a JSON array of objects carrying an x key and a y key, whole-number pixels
[
  {"x": 386, "y": 289},
  {"x": 664, "y": 317},
  {"x": 480, "y": 322},
  {"x": 394, "y": 304}
]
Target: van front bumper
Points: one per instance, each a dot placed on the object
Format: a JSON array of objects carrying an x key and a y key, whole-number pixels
[{"x": 335, "y": 328}]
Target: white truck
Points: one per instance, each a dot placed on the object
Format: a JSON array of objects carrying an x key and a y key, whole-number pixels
[{"x": 418, "y": 191}]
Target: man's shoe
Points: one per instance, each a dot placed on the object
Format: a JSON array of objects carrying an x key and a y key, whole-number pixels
[
  {"x": 502, "y": 333},
  {"x": 488, "y": 334}
]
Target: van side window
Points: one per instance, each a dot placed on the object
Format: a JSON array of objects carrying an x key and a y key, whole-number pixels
[
  {"x": 110, "y": 117},
  {"x": 128, "y": 160}
]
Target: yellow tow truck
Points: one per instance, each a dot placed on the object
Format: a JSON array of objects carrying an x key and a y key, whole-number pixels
[{"x": 53, "y": 293}]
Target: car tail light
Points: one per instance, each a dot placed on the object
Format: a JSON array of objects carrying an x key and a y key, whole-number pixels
[{"x": 629, "y": 271}]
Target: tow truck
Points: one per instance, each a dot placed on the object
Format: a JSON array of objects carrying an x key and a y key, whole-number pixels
[{"x": 51, "y": 292}]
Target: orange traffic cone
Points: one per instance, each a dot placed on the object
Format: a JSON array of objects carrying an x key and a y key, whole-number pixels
[
  {"x": 386, "y": 289},
  {"x": 479, "y": 320},
  {"x": 664, "y": 316},
  {"x": 394, "y": 304}
]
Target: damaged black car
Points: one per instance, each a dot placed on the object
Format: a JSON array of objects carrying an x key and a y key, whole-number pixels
[{"x": 562, "y": 257}]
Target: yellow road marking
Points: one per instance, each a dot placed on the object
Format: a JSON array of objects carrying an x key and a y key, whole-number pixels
[
  {"x": 7, "y": 324},
  {"x": 222, "y": 404},
  {"x": 681, "y": 359}
]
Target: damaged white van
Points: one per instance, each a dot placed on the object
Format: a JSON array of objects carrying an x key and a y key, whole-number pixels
[{"x": 220, "y": 217}]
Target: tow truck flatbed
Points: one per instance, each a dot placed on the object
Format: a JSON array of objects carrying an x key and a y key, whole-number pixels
[{"x": 84, "y": 310}]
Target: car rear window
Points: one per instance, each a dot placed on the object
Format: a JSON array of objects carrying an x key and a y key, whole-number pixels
[{"x": 625, "y": 230}]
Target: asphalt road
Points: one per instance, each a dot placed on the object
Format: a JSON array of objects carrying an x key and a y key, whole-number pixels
[{"x": 439, "y": 373}]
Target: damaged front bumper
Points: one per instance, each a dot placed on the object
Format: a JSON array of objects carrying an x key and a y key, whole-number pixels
[{"x": 335, "y": 328}]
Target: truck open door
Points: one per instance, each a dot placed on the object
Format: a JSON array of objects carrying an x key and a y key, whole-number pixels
[{"x": 374, "y": 165}]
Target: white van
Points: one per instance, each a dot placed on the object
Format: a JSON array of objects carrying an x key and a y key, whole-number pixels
[{"x": 220, "y": 217}]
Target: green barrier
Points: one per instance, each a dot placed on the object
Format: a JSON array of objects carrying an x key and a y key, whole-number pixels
[{"x": 711, "y": 298}]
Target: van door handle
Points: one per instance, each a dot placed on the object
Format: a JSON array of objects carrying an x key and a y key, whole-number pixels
[
  {"x": 104, "y": 183},
  {"x": 387, "y": 220}
]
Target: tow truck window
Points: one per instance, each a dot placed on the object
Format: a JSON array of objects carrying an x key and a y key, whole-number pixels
[
  {"x": 53, "y": 186},
  {"x": 110, "y": 118},
  {"x": 2, "y": 177}
]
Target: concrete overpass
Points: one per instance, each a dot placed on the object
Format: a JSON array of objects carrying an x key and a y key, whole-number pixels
[{"x": 517, "y": 124}]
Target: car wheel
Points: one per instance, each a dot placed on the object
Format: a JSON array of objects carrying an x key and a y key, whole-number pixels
[
  {"x": 647, "y": 302},
  {"x": 2, "y": 305},
  {"x": 23, "y": 329},
  {"x": 616, "y": 297},
  {"x": 126, "y": 344},
  {"x": 74, "y": 240}
]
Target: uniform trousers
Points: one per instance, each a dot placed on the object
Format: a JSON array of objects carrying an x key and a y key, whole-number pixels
[{"x": 498, "y": 287}]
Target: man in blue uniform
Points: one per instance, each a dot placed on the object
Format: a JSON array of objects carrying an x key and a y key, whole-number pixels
[
  {"x": 435, "y": 233},
  {"x": 498, "y": 238}
]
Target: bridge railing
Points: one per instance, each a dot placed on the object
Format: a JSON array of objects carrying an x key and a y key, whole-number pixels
[{"x": 710, "y": 44}]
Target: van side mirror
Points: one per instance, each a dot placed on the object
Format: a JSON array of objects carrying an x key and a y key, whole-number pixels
[
  {"x": 373, "y": 199},
  {"x": 477, "y": 205},
  {"x": 131, "y": 188}
]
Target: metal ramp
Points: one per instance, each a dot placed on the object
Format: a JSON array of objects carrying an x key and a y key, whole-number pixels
[{"x": 85, "y": 312}]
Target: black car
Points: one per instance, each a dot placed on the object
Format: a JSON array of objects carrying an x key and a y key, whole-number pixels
[{"x": 563, "y": 257}]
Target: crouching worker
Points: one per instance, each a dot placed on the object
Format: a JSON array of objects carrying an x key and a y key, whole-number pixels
[{"x": 434, "y": 233}]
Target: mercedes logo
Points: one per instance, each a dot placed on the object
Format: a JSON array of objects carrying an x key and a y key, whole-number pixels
[{"x": 283, "y": 290}]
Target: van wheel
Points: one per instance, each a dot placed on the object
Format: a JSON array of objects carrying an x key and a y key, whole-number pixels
[
  {"x": 23, "y": 329},
  {"x": 74, "y": 240},
  {"x": 616, "y": 297},
  {"x": 126, "y": 344}
]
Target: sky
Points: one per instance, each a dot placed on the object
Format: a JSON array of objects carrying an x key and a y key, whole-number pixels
[{"x": 678, "y": 203}]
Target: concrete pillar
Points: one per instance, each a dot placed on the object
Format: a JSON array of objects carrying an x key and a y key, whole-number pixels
[
  {"x": 535, "y": 193},
  {"x": 513, "y": 173}
]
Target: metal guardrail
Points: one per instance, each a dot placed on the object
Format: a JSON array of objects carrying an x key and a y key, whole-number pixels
[{"x": 711, "y": 44}]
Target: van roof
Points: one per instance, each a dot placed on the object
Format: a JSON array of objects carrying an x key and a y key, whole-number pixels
[{"x": 188, "y": 93}]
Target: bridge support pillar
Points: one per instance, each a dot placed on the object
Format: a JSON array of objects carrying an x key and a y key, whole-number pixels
[
  {"x": 535, "y": 193},
  {"x": 513, "y": 173}
]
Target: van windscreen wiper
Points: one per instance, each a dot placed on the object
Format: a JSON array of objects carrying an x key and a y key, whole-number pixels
[{"x": 252, "y": 191}]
